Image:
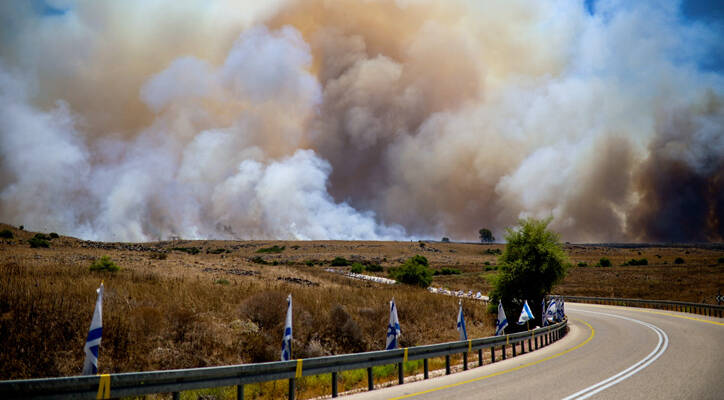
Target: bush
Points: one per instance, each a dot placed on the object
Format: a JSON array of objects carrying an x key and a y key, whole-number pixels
[
  {"x": 679, "y": 260},
  {"x": 447, "y": 271},
  {"x": 159, "y": 256},
  {"x": 604, "y": 262},
  {"x": 273, "y": 249},
  {"x": 532, "y": 263},
  {"x": 582, "y": 264},
  {"x": 493, "y": 251},
  {"x": 446, "y": 240},
  {"x": 259, "y": 260},
  {"x": 635, "y": 262},
  {"x": 36, "y": 242},
  {"x": 309, "y": 263},
  {"x": 357, "y": 268},
  {"x": 216, "y": 251},
  {"x": 188, "y": 250},
  {"x": 422, "y": 244},
  {"x": 374, "y": 268},
  {"x": 53, "y": 235},
  {"x": 104, "y": 264},
  {"x": 720, "y": 260},
  {"x": 222, "y": 281},
  {"x": 6, "y": 234},
  {"x": 340, "y": 262},
  {"x": 414, "y": 271}
]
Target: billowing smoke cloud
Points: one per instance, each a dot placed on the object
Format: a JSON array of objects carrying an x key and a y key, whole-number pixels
[{"x": 360, "y": 120}]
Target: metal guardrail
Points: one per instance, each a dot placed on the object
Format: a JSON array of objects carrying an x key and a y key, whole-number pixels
[
  {"x": 175, "y": 381},
  {"x": 711, "y": 310}
]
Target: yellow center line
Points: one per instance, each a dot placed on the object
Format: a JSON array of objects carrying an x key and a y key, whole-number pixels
[
  {"x": 658, "y": 312},
  {"x": 530, "y": 364}
]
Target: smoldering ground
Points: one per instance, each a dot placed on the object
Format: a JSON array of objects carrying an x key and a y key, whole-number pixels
[{"x": 360, "y": 120}]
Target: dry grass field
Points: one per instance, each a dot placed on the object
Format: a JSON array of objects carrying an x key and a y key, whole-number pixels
[{"x": 181, "y": 304}]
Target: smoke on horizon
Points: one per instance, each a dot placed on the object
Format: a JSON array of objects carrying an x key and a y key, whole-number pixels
[{"x": 353, "y": 119}]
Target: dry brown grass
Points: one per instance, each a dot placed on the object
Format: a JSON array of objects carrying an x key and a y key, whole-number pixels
[{"x": 169, "y": 309}]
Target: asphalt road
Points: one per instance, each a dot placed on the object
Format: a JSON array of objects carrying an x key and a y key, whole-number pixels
[{"x": 609, "y": 353}]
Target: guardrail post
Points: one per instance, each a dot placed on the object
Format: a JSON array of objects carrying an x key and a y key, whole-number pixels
[
  {"x": 175, "y": 395},
  {"x": 492, "y": 354},
  {"x": 465, "y": 361},
  {"x": 239, "y": 392},
  {"x": 370, "y": 383},
  {"x": 291, "y": 388},
  {"x": 480, "y": 357},
  {"x": 536, "y": 342},
  {"x": 513, "y": 347},
  {"x": 504, "y": 355},
  {"x": 400, "y": 374},
  {"x": 426, "y": 369},
  {"x": 447, "y": 364},
  {"x": 335, "y": 393}
]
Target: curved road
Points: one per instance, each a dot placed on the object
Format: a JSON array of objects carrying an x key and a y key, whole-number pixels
[{"x": 609, "y": 353}]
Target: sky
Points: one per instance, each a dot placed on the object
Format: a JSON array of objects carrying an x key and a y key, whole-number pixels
[{"x": 376, "y": 119}]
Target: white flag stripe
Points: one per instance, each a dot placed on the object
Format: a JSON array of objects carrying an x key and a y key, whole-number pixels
[
  {"x": 93, "y": 341},
  {"x": 393, "y": 328},
  {"x": 287, "y": 339},
  {"x": 502, "y": 320},
  {"x": 525, "y": 314}
]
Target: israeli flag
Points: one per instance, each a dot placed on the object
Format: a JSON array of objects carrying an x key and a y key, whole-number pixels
[
  {"x": 502, "y": 320},
  {"x": 525, "y": 314},
  {"x": 561, "y": 311},
  {"x": 461, "y": 324},
  {"x": 287, "y": 340},
  {"x": 393, "y": 328},
  {"x": 544, "y": 320},
  {"x": 551, "y": 312},
  {"x": 93, "y": 342}
]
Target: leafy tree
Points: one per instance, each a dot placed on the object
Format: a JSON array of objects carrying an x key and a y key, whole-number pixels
[
  {"x": 486, "y": 236},
  {"x": 532, "y": 263},
  {"x": 414, "y": 271},
  {"x": 446, "y": 239}
]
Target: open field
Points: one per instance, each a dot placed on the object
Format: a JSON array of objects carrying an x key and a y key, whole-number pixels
[{"x": 180, "y": 304}]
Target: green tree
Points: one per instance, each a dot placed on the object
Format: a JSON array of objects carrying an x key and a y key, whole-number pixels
[
  {"x": 532, "y": 263},
  {"x": 414, "y": 271},
  {"x": 486, "y": 236}
]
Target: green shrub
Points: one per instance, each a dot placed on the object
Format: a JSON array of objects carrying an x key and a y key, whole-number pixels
[
  {"x": 604, "y": 262},
  {"x": 491, "y": 267},
  {"x": 295, "y": 247},
  {"x": 447, "y": 271},
  {"x": 414, "y": 271},
  {"x": 53, "y": 235},
  {"x": 188, "y": 250},
  {"x": 104, "y": 264},
  {"x": 635, "y": 262},
  {"x": 309, "y": 263},
  {"x": 582, "y": 264},
  {"x": 36, "y": 242},
  {"x": 159, "y": 256},
  {"x": 259, "y": 260},
  {"x": 357, "y": 268},
  {"x": 340, "y": 262},
  {"x": 720, "y": 260},
  {"x": 222, "y": 281},
  {"x": 679, "y": 260},
  {"x": 41, "y": 236},
  {"x": 6, "y": 234},
  {"x": 216, "y": 251},
  {"x": 273, "y": 249},
  {"x": 374, "y": 268},
  {"x": 446, "y": 240},
  {"x": 493, "y": 251}
]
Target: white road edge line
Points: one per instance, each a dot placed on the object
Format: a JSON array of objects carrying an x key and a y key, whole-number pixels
[{"x": 628, "y": 372}]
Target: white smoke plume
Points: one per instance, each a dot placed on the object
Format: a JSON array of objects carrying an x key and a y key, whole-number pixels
[{"x": 360, "y": 119}]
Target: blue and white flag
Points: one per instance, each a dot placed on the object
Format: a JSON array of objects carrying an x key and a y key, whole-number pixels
[
  {"x": 287, "y": 340},
  {"x": 551, "y": 313},
  {"x": 93, "y": 342},
  {"x": 544, "y": 320},
  {"x": 560, "y": 309},
  {"x": 502, "y": 320},
  {"x": 461, "y": 324},
  {"x": 393, "y": 328},
  {"x": 525, "y": 314}
]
